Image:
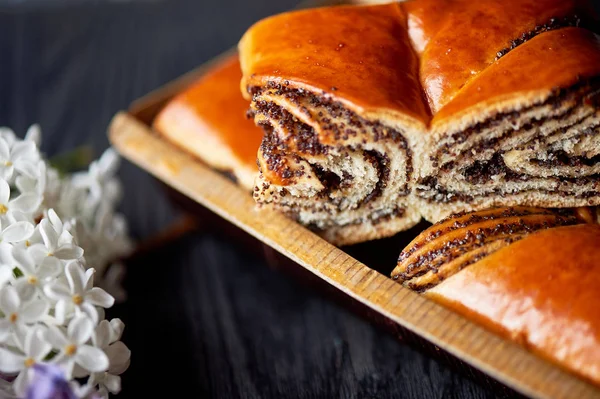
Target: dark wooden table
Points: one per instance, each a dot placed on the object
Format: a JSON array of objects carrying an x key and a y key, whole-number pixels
[{"x": 203, "y": 317}]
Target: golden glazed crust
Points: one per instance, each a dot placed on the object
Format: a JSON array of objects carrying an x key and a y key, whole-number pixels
[
  {"x": 541, "y": 291},
  {"x": 530, "y": 274},
  {"x": 458, "y": 39},
  {"x": 209, "y": 120},
  {"x": 527, "y": 75},
  {"x": 359, "y": 55}
]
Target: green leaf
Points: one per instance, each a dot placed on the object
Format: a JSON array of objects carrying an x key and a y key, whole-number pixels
[
  {"x": 17, "y": 272},
  {"x": 51, "y": 355},
  {"x": 72, "y": 161}
]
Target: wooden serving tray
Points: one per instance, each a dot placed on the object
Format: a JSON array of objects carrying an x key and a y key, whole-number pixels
[{"x": 410, "y": 316}]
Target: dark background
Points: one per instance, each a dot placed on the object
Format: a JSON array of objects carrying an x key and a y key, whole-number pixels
[{"x": 204, "y": 318}]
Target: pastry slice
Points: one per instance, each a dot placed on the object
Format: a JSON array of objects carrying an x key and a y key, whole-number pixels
[
  {"x": 529, "y": 274},
  {"x": 209, "y": 121},
  {"x": 514, "y": 91},
  {"x": 337, "y": 93}
]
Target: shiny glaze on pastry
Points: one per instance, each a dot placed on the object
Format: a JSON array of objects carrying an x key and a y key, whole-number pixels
[
  {"x": 542, "y": 292},
  {"x": 209, "y": 120}
]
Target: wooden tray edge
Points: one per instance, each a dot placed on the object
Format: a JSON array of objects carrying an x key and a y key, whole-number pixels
[{"x": 501, "y": 359}]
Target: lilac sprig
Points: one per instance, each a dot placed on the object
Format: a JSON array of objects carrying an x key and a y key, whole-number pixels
[{"x": 59, "y": 234}]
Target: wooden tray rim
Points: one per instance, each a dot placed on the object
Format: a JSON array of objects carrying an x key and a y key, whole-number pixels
[{"x": 501, "y": 359}]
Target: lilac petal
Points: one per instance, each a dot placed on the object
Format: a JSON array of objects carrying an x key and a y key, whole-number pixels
[
  {"x": 68, "y": 252},
  {"x": 4, "y": 150},
  {"x": 26, "y": 184},
  {"x": 80, "y": 330},
  {"x": 23, "y": 149},
  {"x": 49, "y": 235},
  {"x": 117, "y": 326},
  {"x": 8, "y": 135},
  {"x": 24, "y": 259},
  {"x": 55, "y": 220},
  {"x": 49, "y": 267},
  {"x": 34, "y": 310},
  {"x": 101, "y": 313},
  {"x": 18, "y": 231},
  {"x": 6, "y": 257},
  {"x": 26, "y": 203},
  {"x": 109, "y": 162},
  {"x": 89, "y": 278},
  {"x": 76, "y": 277},
  {"x": 6, "y": 172},
  {"x": 21, "y": 382},
  {"x": 58, "y": 291},
  {"x": 26, "y": 167},
  {"x": 38, "y": 252},
  {"x": 102, "y": 335},
  {"x": 9, "y": 300},
  {"x": 29, "y": 336},
  {"x": 4, "y": 191},
  {"x": 119, "y": 356},
  {"x": 11, "y": 362},
  {"x": 5, "y": 329},
  {"x": 55, "y": 337},
  {"x": 49, "y": 381},
  {"x": 67, "y": 365},
  {"x": 65, "y": 238},
  {"x": 60, "y": 311},
  {"x": 34, "y": 134},
  {"x": 92, "y": 359},
  {"x": 89, "y": 310},
  {"x": 35, "y": 346},
  {"x": 98, "y": 297},
  {"x": 6, "y": 275},
  {"x": 112, "y": 383},
  {"x": 25, "y": 289}
]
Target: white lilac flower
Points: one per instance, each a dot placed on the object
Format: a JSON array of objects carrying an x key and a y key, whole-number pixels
[
  {"x": 107, "y": 337},
  {"x": 53, "y": 187},
  {"x": 15, "y": 232},
  {"x": 22, "y": 157},
  {"x": 35, "y": 274},
  {"x": 35, "y": 184},
  {"x": 74, "y": 349},
  {"x": 99, "y": 177},
  {"x": 79, "y": 293},
  {"x": 104, "y": 240},
  {"x": 109, "y": 232},
  {"x": 18, "y": 314},
  {"x": 22, "y": 358},
  {"x": 12, "y": 209},
  {"x": 58, "y": 242},
  {"x": 33, "y": 134},
  {"x": 47, "y": 293}
]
